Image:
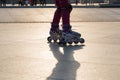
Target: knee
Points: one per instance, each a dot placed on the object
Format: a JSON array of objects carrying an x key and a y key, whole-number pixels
[{"x": 69, "y": 8}]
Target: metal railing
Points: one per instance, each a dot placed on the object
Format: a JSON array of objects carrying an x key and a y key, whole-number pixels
[{"x": 44, "y": 2}]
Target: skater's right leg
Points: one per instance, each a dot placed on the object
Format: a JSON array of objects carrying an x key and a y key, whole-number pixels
[
  {"x": 54, "y": 30},
  {"x": 56, "y": 20}
]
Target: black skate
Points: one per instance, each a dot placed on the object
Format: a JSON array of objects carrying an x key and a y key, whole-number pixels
[
  {"x": 54, "y": 36},
  {"x": 70, "y": 37}
]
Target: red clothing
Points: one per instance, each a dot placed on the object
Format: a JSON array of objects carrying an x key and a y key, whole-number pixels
[
  {"x": 62, "y": 3},
  {"x": 64, "y": 13}
]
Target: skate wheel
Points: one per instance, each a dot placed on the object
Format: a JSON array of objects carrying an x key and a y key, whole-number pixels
[
  {"x": 82, "y": 40},
  {"x": 55, "y": 40},
  {"x": 62, "y": 42},
  {"x": 69, "y": 42},
  {"x": 49, "y": 39},
  {"x": 76, "y": 42}
]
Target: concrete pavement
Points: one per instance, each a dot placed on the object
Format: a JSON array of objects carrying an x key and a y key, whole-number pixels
[
  {"x": 45, "y": 15},
  {"x": 26, "y": 55}
]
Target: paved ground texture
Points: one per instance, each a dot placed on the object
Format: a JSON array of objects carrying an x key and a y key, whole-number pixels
[
  {"x": 46, "y": 14},
  {"x": 26, "y": 55}
]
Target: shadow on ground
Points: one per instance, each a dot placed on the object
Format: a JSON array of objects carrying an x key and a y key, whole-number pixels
[{"x": 66, "y": 66}]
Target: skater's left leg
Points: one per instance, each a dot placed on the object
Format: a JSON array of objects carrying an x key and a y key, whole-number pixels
[
  {"x": 66, "y": 21},
  {"x": 65, "y": 13}
]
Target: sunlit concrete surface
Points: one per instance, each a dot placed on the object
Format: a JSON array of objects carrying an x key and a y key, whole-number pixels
[
  {"x": 26, "y": 55},
  {"x": 46, "y": 14}
]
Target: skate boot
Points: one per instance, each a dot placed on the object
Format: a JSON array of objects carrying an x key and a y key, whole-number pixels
[
  {"x": 54, "y": 33},
  {"x": 69, "y": 36}
]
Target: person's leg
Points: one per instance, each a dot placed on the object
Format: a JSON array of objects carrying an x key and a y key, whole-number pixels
[
  {"x": 66, "y": 17},
  {"x": 65, "y": 20},
  {"x": 56, "y": 20},
  {"x": 54, "y": 30},
  {"x": 65, "y": 12}
]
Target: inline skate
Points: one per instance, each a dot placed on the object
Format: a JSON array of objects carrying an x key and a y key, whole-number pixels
[
  {"x": 54, "y": 36},
  {"x": 70, "y": 37},
  {"x": 54, "y": 33}
]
